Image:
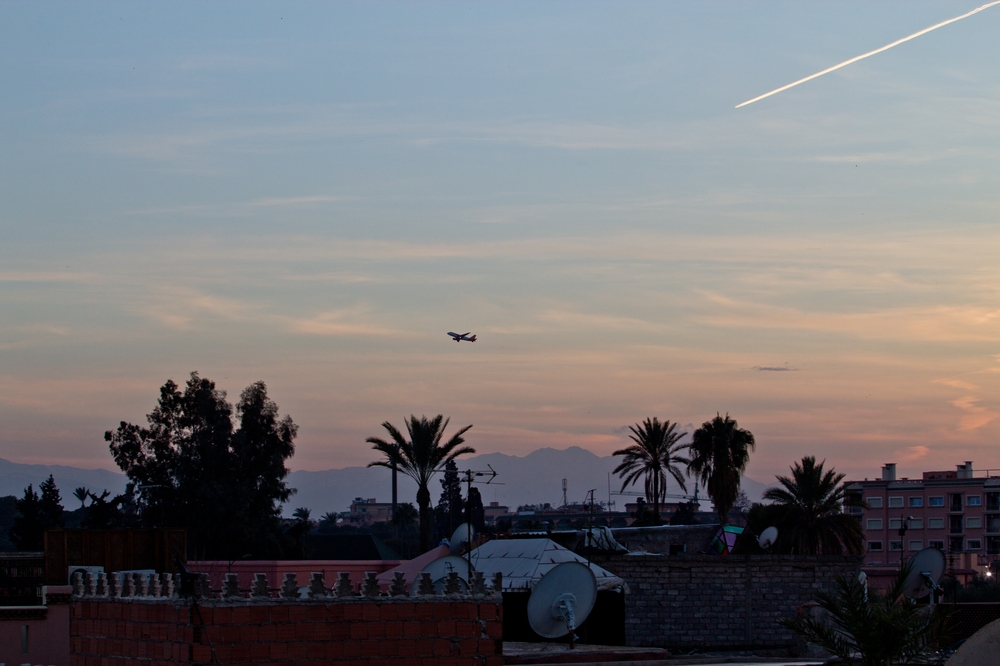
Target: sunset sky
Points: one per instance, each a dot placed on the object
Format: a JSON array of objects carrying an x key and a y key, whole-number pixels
[{"x": 314, "y": 194}]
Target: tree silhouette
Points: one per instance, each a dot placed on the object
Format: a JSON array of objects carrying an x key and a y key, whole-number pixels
[
  {"x": 808, "y": 512},
  {"x": 81, "y": 494},
  {"x": 654, "y": 455},
  {"x": 35, "y": 514},
  {"x": 192, "y": 469},
  {"x": 719, "y": 453},
  {"x": 420, "y": 457}
]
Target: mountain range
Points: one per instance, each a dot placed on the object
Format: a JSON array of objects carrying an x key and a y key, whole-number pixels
[{"x": 535, "y": 478}]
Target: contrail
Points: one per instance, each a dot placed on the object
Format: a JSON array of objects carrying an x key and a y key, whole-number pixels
[{"x": 871, "y": 53}]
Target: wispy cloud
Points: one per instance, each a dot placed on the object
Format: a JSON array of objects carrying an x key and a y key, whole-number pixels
[
  {"x": 294, "y": 201},
  {"x": 774, "y": 368}
]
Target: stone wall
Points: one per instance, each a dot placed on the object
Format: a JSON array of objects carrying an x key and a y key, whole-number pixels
[
  {"x": 154, "y": 626},
  {"x": 711, "y": 602}
]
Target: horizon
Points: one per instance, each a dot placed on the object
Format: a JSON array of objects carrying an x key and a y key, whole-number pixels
[{"x": 312, "y": 195}]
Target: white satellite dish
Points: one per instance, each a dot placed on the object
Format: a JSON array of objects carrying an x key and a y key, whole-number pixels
[
  {"x": 462, "y": 536},
  {"x": 439, "y": 570},
  {"x": 562, "y": 600},
  {"x": 926, "y": 568},
  {"x": 768, "y": 537}
]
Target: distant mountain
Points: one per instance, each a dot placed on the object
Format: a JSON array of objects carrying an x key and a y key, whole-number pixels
[
  {"x": 532, "y": 479},
  {"x": 15, "y": 477}
]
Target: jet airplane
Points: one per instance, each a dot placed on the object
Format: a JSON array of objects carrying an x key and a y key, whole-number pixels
[{"x": 459, "y": 337}]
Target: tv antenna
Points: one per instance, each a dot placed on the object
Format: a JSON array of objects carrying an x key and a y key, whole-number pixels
[
  {"x": 926, "y": 568},
  {"x": 562, "y": 600},
  {"x": 470, "y": 477},
  {"x": 565, "y": 501}
]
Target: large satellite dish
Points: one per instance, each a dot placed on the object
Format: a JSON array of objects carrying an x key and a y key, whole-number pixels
[
  {"x": 768, "y": 537},
  {"x": 460, "y": 539},
  {"x": 439, "y": 570},
  {"x": 562, "y": 600},
  {"x": 926, "y": 568}
]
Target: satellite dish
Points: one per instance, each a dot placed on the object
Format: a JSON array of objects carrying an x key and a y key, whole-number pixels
[
  {"x": 439, "y": 570},
  {"x": 562, "y": 600},
  {"x": 462, "y": 536},
  {"x": 926, "y": 568},
  {"x": 768, "y": 537}
]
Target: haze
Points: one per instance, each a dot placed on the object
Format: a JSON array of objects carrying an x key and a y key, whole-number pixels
[{"x": 314, "y": 194}]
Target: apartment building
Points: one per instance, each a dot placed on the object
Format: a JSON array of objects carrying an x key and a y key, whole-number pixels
[{"x": 956, "y": 511}]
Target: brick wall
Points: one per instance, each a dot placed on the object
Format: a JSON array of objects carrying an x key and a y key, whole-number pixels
[
  {"x": 711, "y": 602},
  {"x": 387, "y": 631}
]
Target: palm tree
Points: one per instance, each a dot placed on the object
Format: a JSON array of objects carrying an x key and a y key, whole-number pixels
[
  {"x": 720, "y": 450},
  {"x": 653, "y": 455},
  {"x": 81, "y": 494},
  {"x": 810, "y": 515},
  {"x": 420, "y": 458}
]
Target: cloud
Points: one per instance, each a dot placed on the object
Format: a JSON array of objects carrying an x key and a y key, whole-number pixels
[
  {"x": 294, "y": 201},
  {"x": 911, "y": 453},
  {"x": 46, "y": 276},
  {"x": 774, "y": 368},
  {"x": 975, "y": 416}
]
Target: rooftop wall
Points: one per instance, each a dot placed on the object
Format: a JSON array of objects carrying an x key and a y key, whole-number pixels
[
  {"x": 234, "y": 626},
  {"x": 712, "y": 602}
]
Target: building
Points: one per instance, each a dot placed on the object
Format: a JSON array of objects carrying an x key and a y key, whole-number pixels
[
  {"x": 956, "y": 511},
  {"x": 494, "y": 512},
  {"x": 367, "y": 511}
]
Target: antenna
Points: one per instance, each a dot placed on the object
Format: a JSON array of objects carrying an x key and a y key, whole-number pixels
[
  {"x": 562, "y": 600},
  {"x": 926, "y": 568},
  {"x": 565, "y": 502},
  {"x": 768, "y": 537},
  {"x": 470, "y": 477}
]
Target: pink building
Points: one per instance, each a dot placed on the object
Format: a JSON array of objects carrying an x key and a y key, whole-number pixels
[{"x": 958, "y": 512}]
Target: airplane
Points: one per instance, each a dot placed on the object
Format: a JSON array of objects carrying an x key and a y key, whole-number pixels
[{"x": 462, "y": 336}]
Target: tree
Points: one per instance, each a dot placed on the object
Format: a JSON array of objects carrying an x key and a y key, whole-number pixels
[
  {"x": 653, "y": 456},
  {"x": 475, "y": 510},
  {"x": 192, "y": 469},
  {"x": 50, "y": 508},
  {"x": 882, "y": 628},
  {"x": 420, "y": 458},
  {"x": 720, "y": 450},
  {"x": 405, "y": 516},
  {"x": 119, "y": 512},
  {"x": 448, "y": 512},
  {"x": 27, "y": 532},
  {"x": 809, "y": 516},
  {"x": 81, "y": 494}
]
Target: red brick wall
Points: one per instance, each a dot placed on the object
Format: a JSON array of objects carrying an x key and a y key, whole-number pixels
[{"x": 383, "y": 632}]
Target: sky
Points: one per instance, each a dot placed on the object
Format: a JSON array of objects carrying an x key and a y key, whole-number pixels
[{"x": 312, "y": 195}]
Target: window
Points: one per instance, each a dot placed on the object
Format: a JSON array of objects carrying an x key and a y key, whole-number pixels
[
  {"x": 935, "y": 523},
  {"x": 936, "y": 544},
  {"x": 916, "y": 523},
  {"x": 895, "y": 545},
  {"x": 993, "y": 501},
  {"x": 975, "y": 500},
  {"x": 874, "y": 523},
  {"x": 993, "y": 523},
  {"x": 874, "y": 502},
  {"x": 895, "y": 502},
  {"x": 955, "y": 544},
  {"x": 973, "y": 523},
  {"x": 936, "y": 501},
  {"x": 993, "y": 545},
  {"x": 875, "y": 546},
  {"x": 875, "y": 563},
  {"x": 895, "y": 523},
  {"x": 955, "y": 502},
  {"x": 974, "y": 544},
  {"x": 916, "y": 502},
  {"x": 916, "y": 545},
  {"x": 955, "y": 524}
]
